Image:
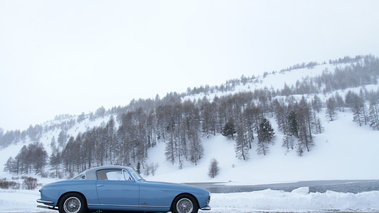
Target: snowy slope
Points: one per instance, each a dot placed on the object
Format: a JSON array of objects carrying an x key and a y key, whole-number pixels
[
  {"x": 13, "y": 150},
  {"x": 275, "y": 80},
  {"x": 355, "y": 159},
  {"x": 343, "y": 151}
]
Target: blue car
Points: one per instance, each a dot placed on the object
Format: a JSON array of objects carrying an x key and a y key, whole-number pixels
[{"x": 122, "y": 189}]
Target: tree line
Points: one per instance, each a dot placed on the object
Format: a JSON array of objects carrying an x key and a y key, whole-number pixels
[
  {"x": 363, "y": 70},
  {"x": 180, "y": 125},
  {"x": 30, "y": 159},
  {"x": 364, "y": 106}
]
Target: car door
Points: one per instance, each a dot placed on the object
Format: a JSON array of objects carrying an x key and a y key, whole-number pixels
[{"x": 115, "y": 187}]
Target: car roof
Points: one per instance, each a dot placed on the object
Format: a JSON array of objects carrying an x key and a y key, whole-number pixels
[{"x": 90, "y": 174}]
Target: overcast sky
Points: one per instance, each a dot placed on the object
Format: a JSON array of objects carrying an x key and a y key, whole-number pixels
[{"x": 74, "y": 56}]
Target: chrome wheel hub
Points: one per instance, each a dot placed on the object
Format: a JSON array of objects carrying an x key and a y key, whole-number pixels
[
  {"x": 72, "y": 205},
  {"x": 184, "y": 205}
]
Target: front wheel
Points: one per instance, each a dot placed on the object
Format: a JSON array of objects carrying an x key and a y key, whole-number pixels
[
  {"x": 185, "y": 204},
  {"x": 72, "y": 203}
]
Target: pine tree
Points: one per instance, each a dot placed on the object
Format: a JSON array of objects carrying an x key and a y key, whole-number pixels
[
  {"x": 331, "y": 108},
  {"x": 356, "y": 104},
  {"x": 229, "y": 129},
  {"x": 11, "y": 166},
  {"x": 139, "y": 167},
  {"x": 62, "y": 138},
  {"x": 374, "y": 116},
  {"x": 251, "y": 117},
  {"x": 280, "y": 116},
  {"x": 170, "y": 149},
  {"x": 213, "y": 168},
  {"x": 265, "y": 136},
  {"x": 340, "y": 103},
  {"x": 53, "y": 145},
  {"x": 293, "y": 128},
  {"x": 55, "y": 161},
  {"x": 305, "y": 121},
  {"x": 316, "y": 103},
  {"x": 196, "y": 150},
  {"x": 39, "y": 158}
]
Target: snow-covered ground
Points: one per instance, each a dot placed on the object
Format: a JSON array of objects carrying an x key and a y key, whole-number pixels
[
  {"x": 299, "y": 200},
  {"x": 344, "y": 151}
]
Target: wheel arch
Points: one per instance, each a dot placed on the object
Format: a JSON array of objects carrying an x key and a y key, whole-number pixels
[
  {"x": 72, "y": 192},
  {"x": 184, "y": 194}
]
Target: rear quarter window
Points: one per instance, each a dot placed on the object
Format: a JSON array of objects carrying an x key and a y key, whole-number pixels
[{"x": 81, "y": 176}]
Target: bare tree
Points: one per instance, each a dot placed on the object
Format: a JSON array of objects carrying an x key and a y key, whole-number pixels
[{"x": 242, "y": 144}]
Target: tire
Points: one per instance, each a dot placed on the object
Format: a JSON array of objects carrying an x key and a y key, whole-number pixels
[
  {"x": 72, "y": 203},
  {"x": 185, "y": 204}
]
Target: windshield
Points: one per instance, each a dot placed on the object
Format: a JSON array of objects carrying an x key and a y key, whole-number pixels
[{"x": 135, "y": 175}]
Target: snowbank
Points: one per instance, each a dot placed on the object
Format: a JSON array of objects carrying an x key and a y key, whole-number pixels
[
  {"x": 19, "y": 201},
  {"x": 299, "y": 200}
]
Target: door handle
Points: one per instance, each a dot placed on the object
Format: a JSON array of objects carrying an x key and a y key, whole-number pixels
[{"x": 99, "y": 185}]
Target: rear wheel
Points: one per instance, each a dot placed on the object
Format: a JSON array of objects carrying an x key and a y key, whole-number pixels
[
  {"x": 185, "y": 204},
  {"x": 72, "y": 203}
]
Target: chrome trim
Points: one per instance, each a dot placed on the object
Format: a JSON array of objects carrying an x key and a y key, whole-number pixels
[
  {"x": 48, "y": 207},
  {"x": 129, "y": 206},
  {"x": 206, "y": 208},
  {"x": 45, "y": 201}
]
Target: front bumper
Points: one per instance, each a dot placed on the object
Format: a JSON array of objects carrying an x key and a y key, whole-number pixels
[
  {"x": 45, "y": 202},
  {"x": 206, "y": 208},
  {"x": 48, "y": 204}
]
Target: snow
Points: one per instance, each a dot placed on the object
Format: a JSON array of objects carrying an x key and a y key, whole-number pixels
[
  {"x": 299, "y": 200},
  {"x": 276, "y": 80},
  {"x": 13, "y": 150},
  {"x": 344, "y": 151},
  {"x": 19, "y": 201}
]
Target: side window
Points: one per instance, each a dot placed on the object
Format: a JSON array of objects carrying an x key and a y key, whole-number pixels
[
  {"x": 110, "y": 174},
  {"x": 102, "y": 175},
  {"x": 127, "y": 175}
]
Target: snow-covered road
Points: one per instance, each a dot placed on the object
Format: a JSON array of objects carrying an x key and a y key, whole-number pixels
[{"x": 345, "y": 186}]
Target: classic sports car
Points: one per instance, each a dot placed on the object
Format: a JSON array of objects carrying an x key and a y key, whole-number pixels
[{"x": 121, "y": 188}]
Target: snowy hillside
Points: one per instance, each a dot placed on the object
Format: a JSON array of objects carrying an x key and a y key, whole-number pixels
[
  {"x": 342, "y": 152},
  {"x": 333, "y": 143},
  {"x": 344, "y": 148},
  {"x": 274, "y": 80},
  {"x": 355, "y": 161}
]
